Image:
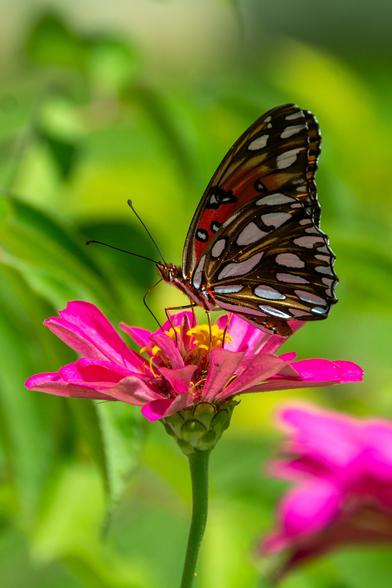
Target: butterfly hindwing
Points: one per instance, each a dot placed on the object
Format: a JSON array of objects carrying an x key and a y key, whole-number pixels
[
  {"x": 278, "y": 152},
  {"x": 270, "y": 263}
]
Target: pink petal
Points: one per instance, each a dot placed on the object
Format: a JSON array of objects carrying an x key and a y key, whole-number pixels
[
  {"x": 156, "y": 409},
  {"x": 130, "y": 389},
  {"x": 245, "y": 337},
  {"x": 179, "y": 379},
  {"x": 51, "y": 383},
  {"x": 169, "y": 349},
  {"x": 378, "y": 449},
  {"x": 253, "y": 371},
  {"x": 92, "y": 373},
  {"x": 85, "y": 328},
  {"x": 288, "y": 356},
  {"x": 314, "y": 373},
  {"x": 272, "y": 342},
  {"x": 140, "y": 336},
  {"x": 223, "y": 364},
  {"x": 133, "y": 390},
  {"x": 304, "y": 511},
  {"x": 323, "y": 370},
  {"x": 313, "y": 429},
  {"x": 185, "y": 319}
]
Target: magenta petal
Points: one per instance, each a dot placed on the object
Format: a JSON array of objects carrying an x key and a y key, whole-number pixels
[
  {"x": 93, "y": 373},
  {"x": 312, "y": 430},
  {"x": 378, "y": 456},
  {"x": 223, "y": 364},
  {"x": 156, "y": 409},
  {"x": 323, "y": 370},
  {"x": 52, "y": 383},
  {"x": 289, "y": 356},
  {"x": 169, "y": 349},
  {"x": 349, "y": 371},
  {"x": 253, "y": 371},
  {"x": 244, "y": 336},
  {"x": 273, "y": 342},
  {"x": 140, "y": 336},
  {"x": 304, "y": 511},
  {"x": 179, "y": 379},
  {"x": 85, "y": 328},
  {"x": 314, "y": 373},
  {"x": 184, "y": 319},
  {"x": 133, "y": 391}
]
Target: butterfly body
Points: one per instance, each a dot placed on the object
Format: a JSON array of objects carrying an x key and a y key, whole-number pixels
[
  {"x": 254, "y": 246},
  {"x": 172, "y": 274}
]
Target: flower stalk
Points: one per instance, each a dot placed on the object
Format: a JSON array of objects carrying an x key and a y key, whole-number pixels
[{"x": 198, "y": 465}]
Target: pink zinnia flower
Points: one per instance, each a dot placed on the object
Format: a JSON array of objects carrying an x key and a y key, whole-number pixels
[
  {"x": 180, "y": 366},
  {"x": 342, "y": 469}
]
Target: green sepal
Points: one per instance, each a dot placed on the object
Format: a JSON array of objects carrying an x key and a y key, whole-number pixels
[{"x": 199, "y": 427}]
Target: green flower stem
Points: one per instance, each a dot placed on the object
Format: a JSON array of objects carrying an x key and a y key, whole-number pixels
[{"x": 198, "y": 463}]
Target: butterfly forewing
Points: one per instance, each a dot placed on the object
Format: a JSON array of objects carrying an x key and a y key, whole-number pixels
[{"x": 277, "y": 153}]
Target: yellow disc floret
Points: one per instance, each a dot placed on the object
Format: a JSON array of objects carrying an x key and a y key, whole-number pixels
[{"x": 207, "y": 337}]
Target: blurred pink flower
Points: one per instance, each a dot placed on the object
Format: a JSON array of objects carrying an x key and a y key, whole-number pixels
[
  {"x": 177, "y": 367},
  {"x": 342, "y": 470}
]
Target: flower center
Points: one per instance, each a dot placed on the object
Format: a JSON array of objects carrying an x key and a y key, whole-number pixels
[
  {"x": 206, "y": 337},
  {"x": 202, "y": 337}
]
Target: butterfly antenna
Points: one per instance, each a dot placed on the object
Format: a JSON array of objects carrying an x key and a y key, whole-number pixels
[
  {"x": 147, "y": 305},
  {"x": 94, "y": 242},
  {"x": 131, "y": 206}
]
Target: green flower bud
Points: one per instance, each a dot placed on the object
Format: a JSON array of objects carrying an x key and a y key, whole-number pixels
[{"x": 199, "y": 427}]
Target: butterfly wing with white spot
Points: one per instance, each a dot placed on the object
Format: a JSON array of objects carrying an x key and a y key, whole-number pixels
[
  {"x": 277, "y": 154},
  {"x": 270, "y": 263}
]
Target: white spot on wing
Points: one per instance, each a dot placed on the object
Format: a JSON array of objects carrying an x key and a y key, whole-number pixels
[
  {"x": 308, "y": 242},
  {"x": 229, "y": 289},
  {"x": 319, "y": 310},
  {"x": 274, "y": 311},
  {"x": 196, "y": 279},
  {"x": 290, "y": 260},
  {"x": 258, "y": 143},
  {"x": 250, "y": 234},
  {"x": 290, "y": 131},
  {"x": 309, "y": 297},
  {"x": 323, "y": 269},
  {"x": 218, "y": 248},
  {"x": 269, "y": 293},
  {"x": 241, "y": 268},
  {"x": 291, "y": 278},
  {"x": 202, "y": 235},
  {"x": 286, "y": 159},
  {"x": 274, "y": 199},
  {"x": 322, "y": 257},
  {"x": 275, "y": 219},
  {"x": 323, "y": 249},
  {"x": 294, "y": 116}
]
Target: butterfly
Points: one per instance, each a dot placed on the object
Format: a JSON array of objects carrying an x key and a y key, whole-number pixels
[{"x": 254, "y": 246}]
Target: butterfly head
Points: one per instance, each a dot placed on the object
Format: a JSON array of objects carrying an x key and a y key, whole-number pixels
[{"x": 169, "y": 272}]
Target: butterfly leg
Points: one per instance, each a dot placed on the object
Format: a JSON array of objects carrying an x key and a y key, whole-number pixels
[
  {"x": 225, "y": 330},
  {"x": 146, "y": 304},
  {"x": 209, "y": 330},
  {"x": 183, "y": 307}
]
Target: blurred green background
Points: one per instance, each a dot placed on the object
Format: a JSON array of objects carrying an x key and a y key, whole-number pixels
[{"x": 100, "y": 102}]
